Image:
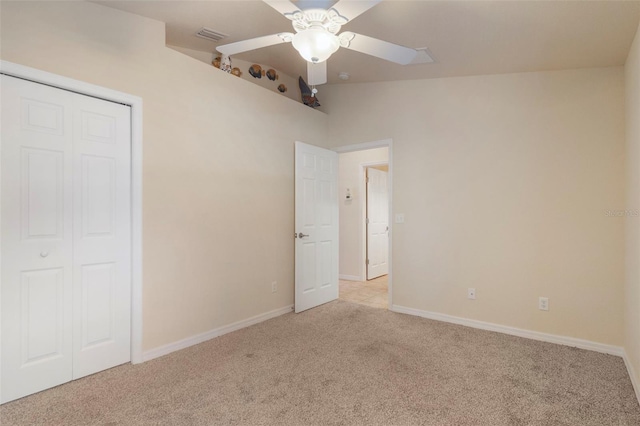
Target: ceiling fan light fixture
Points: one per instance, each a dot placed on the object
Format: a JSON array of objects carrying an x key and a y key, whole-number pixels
[{"x": 315, "y": 44}]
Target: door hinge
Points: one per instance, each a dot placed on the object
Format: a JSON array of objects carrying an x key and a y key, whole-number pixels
[
  {"x": 367, "y": 261},
  {"x": 367, "y": 221},
  {"x": 367, "y": 179}
]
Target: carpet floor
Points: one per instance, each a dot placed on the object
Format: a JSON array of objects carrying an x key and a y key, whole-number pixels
[{"x": 348, "y": 364}]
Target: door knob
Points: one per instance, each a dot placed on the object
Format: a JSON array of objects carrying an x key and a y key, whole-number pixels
[
  {"x": 301, "y": 235},
  {"x": 44, "y": 254}
]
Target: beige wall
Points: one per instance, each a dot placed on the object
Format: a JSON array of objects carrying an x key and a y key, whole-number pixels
[
  {"x": 632, "y": 294},
  {"x": 504, "y": 181},
  {"x": 350, "y": 175},
  {"x": 218, "y": 162}
]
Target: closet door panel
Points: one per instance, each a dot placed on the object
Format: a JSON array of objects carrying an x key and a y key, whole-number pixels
[
  {"x": 36, "y": 243},
  {"x": 102, "y": 235}
]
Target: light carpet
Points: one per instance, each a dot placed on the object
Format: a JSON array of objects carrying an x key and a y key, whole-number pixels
[{"x": 348, "y": 364}]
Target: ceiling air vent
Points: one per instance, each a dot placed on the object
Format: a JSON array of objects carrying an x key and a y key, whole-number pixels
[{"x": 210, "y": 34}]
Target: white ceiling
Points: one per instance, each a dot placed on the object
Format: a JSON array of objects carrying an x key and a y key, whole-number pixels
[{"x": 465, "y": 37}]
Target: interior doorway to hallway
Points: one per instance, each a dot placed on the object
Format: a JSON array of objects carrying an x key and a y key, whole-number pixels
[{"x": 365, "y": 206}]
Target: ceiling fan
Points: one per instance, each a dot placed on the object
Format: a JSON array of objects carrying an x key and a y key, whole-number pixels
[{"x": 317, "y": 36}]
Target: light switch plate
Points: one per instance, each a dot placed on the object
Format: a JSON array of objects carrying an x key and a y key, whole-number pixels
[
  {"x": 399, "y": 217},
  {"x": 543, "y": 303}
]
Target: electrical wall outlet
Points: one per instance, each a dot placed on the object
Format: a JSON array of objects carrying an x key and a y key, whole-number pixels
[
  {"x": 543, "y": 303},
  {"x": 274, "y": 286},
  {"x": 471, "y": 293}
]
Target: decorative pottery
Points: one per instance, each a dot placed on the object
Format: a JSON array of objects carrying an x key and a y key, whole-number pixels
[
  {"x": 225, "y": 63},
  {"x": 256, "y": 71},
  {"x": 282, "y": 88},
  {"x": 216, "y": 62},
  {"x": 272, "y": 74},
  {"x": 236, "y": 71}
]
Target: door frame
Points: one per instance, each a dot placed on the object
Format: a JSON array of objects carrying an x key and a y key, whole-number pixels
[
  {"x": 362, "y": 147},
  {"x": 364, "y": 205},
  {"x": 135, "y": 102}
]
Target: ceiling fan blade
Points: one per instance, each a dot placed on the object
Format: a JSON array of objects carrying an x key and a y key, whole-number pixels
[
  {"x": 351, "y": 9},
  {"x": 316, "y": 73},
  {"x": 285, "y": 7},
  {"x": 423, "y": 57},
  {"x": 254, "y": 43},
  {"x": 381, "y": 49}
]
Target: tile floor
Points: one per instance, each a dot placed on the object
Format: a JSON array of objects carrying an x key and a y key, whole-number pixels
[{"x": 372, "y": 293}]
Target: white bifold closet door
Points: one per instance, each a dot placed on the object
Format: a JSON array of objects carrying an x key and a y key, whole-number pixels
[{"x": 66, "y": 236}]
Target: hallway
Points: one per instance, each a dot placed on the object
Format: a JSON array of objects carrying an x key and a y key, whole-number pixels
[{"x": 372, "y": 293}]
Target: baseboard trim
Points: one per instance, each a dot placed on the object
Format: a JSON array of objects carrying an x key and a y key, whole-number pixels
[
  {"x": 528, "y": 334},
  {"x": 203, "y": 337},
  {"x": 350, "y": 278},
  {"x": 632, "y": 374}
]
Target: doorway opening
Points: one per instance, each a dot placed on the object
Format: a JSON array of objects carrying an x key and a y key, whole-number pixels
[{"x": 365, "y": 206}]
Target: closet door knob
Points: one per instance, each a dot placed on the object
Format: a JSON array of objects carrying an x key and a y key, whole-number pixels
[{"x": 44, "y": 254}]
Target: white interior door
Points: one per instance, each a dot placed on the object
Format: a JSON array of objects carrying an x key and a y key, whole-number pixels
[
  {"x": 377, "y": 223},
  {"x": 316, "y": 226},
  {"x": 65, "y": 289}
]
